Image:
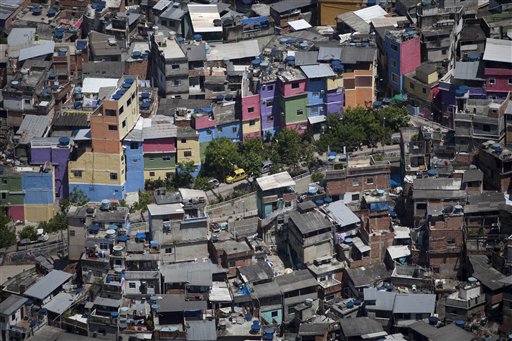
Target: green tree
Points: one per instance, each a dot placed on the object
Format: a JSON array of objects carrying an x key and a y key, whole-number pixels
[
  {"x": 64, "y": 205},
  {"x": 7, "y": 231},
  {"x": 78, "y": 197},
  {"x": 28, "y": 232},
  {"x": 57, "y": 223},
  {"x": 291, "y": 150},
  {"x": 144, "y": 200},
  {"x": 202, "y": 183},
  {"x": 221, "y": 158},
  {"x": 317, "y": 177},
  {"x": 183, "y": 175},
  {"x": 253, "y": 152}
]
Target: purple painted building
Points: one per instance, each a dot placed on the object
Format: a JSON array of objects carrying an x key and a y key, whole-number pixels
[
  {"x": 55, "y": 150},
  {"x": 269, "y": 109},
  {"x": 334, "y": 101}
]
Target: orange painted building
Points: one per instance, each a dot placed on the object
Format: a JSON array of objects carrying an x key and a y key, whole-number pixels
[{"x": 329, "y": 9}]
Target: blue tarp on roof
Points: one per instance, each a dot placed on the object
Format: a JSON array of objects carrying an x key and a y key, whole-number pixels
[
  {"x": 258, "y": 20},
  {"x": 394, "y": 183},
  {"x": 379, "y": 206}
]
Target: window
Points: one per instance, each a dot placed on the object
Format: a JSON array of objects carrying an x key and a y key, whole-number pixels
[
  {"x": 187, "y": 153},
  {"x": 121, "y": 110},
  {"x": 250, "y": 109},
  {"x": 134, "y": 145},
  {"x": 355, "y": 197},
  {"x": 113, "y": 176},
  {"x": 492, "y": 80},
  {"x": 219, "y": 129},
  {"x": 300, "y": 112},
  {"x": 166, "y": 158},
  {"x": 77, "y": 174},
  {"x": 124, "y": 124},
  {"x": 393, "y": 62},
  {"x": 355, "y": 183},
  {"x": 270, "y": 88},
  {"x": 208, "y": 132},
  {"x": 168, "y": 250},
  {"x": 295, "y": 85},
  {"x": 395, "y": 78},
  {"x": 177, "y": 82},
  {"x": 510, "y": 81},
  {"x": 109, "y": 112},
  {"x": 369, "y": 181},
  {"x": 444, "y": 51},
  {"x": 71, "y": 233},
  {"x": 270, "y": 102},
  {"x": 316, "y": 94},
  {"x": 151, "y": 173},
  {"x": 112, "y": 127},
  {"x": 450, "y": 241},
  {"x": 175, "y": 66},
  {"x": 234, "y": 129},
  {"x": 13, "y": 317},
  {"x": 4, "y": 195},
  {"x": 183, "y": 140},
  {"x": 231, "y": 263},
  {"x": 4, "y": 180},
  {"x": 412, "y": 85},
  {"x": 270, "y": 118},
  {"x": 486, "y": 127},
  {"x": 424, "y": 90},
  {"x": 27, "y": 101},
  {"x": 274, "y": 313},
  {"x": 132, "y": 285},
  {"x": 129, "y": 102},
  {"x": 394, "y": 47},
  {"x": 252, "y": 122}
]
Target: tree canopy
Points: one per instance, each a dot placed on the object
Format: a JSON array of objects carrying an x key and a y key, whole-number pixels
[
  {"x": 221, "y": 158},
  {"x": 253, "y": 152},
  {"x": 7, "y": 232},
  {"x": 291, "y": 150},
  {"x": 360, "y": 125}
]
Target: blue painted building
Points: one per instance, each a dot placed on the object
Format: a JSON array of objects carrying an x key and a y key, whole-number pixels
[
  {"x": 269, "y": 109},
  {"x": 316, "y": 87},
  {"x": 133, "y": 153},
  {"x": 97, "y": 192},
  {"x": 38, "y": 188}
]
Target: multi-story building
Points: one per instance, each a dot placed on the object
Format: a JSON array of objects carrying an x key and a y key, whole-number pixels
[
  {"x": 251, "y": 108},
  {"x": 275, "y": 193},
  {"x": 269, "y": 109},
  {"x": 28, "y": 193},
  {"x": 420, "y": 85},
  {"x": 495, "y": 161},
  {"x": 293, "y": 99},
  {"x": 97, "y": 166},
  {"x": 168, "y": 65},
  {"x": 467, "y": 303},
  {"x": 188, "y": 148},
  {"x": 403, "y": 53},
  {"x": 497, "y": 70}
]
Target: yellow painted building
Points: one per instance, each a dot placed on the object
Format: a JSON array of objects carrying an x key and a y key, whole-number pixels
[
  {"x": 38, "y": 213},
  {"x": 329, "y": 9},
  {"x": 187, "y": 146},
  {"x": 254, "y": 129},
  {"x": 335, "y": 82},
  {"x": 155, "y": 174},
  {"x": 98, "y": 168}
]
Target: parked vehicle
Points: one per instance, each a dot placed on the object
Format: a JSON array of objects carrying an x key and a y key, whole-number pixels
[
  {"x": 42, "y": 236},
  {"x": 238, "y": 175},
  {"x": 265, "y": 166},
  {"x": 214, "y": 182}
]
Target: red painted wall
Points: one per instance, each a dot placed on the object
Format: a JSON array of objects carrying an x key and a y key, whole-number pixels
[
  {"x": 501, "y": 76},
  {"x": 163, "y": 145},
  {"x": 202, "y": 122},
  {"x": 251, "y": 102},
  {"x": 16, "y": 212},
  {"x": 410, "y": 55}
]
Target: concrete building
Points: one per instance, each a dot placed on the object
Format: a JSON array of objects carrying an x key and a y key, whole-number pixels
[
  {"x": 296, "y": 288},
  {"x": 467, "y": 303},
  {"x": 495, "y": 161},
  {"x": 275, "y": 194}
]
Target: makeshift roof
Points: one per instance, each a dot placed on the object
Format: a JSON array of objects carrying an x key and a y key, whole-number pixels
[
  {"x": 242, "y": 49},
  {"x": 12, "y": 304},
  {"x": 60, "y": 303},
  {"x": 48, "y": 284},
  {"x": 317, "y": 71},
  {"x": 274, "y": 181},
  {"x": 498, "y": 50},
  {"x": 32, "y": 126},
  {"x": 93, "y": 85},
  {"x": 341, "y": 214},
  {"x": 359, "y": 326},
  {"x": 202, "y": 17},
  {"x": 300, "y": 24}
]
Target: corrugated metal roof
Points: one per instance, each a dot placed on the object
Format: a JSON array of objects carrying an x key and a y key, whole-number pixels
[
  {"x": 201, "y": 330},
  {"x": 306, "y": 58},
  {"x": 414, "y": 303},
  {"x": 342, "y": 214},
  {"x": 398, "y": 251},
  {"x": 21, "y": 36},
  {"x": 498, "y": 50},
  {"x": 354, "y": 54},
  {"x": 326, "y": 53},
  {"x": 65, "y": 119},
  {"x": 468, "y": 70},
  {"x": 162, "y": 4},
  {"x": 289, "y": 5},
  {"x": 155, "y": 210},
  {"x": 46, "y": 285},
  {"x": 43, "y": 47},
  {"x": 273, "y": 181},
  {"x": 317, "y": 71},
  {"x": 60, "y": 303},
  {"x": 353, "y": 21},
  {"x": 11, "y": 304},
  {"x": 32, "y": 126}
]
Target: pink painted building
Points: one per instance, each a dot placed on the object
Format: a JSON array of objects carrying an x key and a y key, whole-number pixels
[
  {"x": 250, "y": 100},
  {"x": 16, "y": 212},
  {"x": 160, "y": 145},
  {"x": 203, "y": 120}
]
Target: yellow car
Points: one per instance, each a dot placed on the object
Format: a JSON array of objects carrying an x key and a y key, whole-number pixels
[{"x": 238, "y": 175}]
